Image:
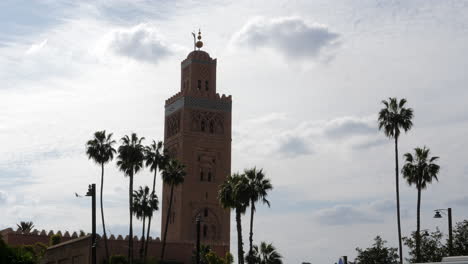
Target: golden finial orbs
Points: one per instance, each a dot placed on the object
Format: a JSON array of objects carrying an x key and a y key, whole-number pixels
[{"x": 199, "y": 43}]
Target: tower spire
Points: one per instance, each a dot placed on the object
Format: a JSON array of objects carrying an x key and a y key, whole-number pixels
[{"x": 199, "y": 43}]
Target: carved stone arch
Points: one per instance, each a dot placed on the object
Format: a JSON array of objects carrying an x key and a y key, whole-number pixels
[{"x": 212, "y": 223}]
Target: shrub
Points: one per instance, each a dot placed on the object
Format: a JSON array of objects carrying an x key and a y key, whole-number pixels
[{"x": 55, "y": 239}]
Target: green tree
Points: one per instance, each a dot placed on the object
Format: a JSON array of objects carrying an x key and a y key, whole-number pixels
[
  {"x": 55, "y": 239},
  {"x": 101, "y": 151},
  {"x": 394, "y": 118},
  {"x": 155, "y": 159},
  {"x": 25, "y": 227},
  {"x": 460, "y": 239},
  {"x": 265, "y": 254},
  {"x": 377, "y": 254},
  {"x": 208, "y": 256},
  {"x": 144, "y": 203},
  {"x": 419, "y": 170},
  {"x": 130, "y": 162},
  {"x": 259, "y": 186},
  {"x": 173, "y": 174},
  {"x": 234, "y": 194},
  {"x": 431, "y": 248}
]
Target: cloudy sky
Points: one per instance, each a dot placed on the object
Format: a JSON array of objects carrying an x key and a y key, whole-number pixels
[{"x": 307, "y": 78}]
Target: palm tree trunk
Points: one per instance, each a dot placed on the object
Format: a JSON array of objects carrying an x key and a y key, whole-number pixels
[
  {"x": 398, "y": 200},
  {"x": 418, "y": 227},
  {"x": 130, "y": 232},
  {"x": 150, "y": 216},
  {"x": 167, "y": 224},
  {"x": 240, "y": 249},
  {"x": 142, "y": 247},
  {"x": 252, "y": 211},
  {"x": 102, "y": 212}
]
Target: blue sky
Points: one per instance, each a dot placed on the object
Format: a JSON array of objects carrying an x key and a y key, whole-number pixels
[{"x": 306, "y": 77}]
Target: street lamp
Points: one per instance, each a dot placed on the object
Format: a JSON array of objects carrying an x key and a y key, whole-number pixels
[
  {"x": 438, "y": 214},
  {"x": 92, "y": 192},
  {"x": 198, "y": 220}
]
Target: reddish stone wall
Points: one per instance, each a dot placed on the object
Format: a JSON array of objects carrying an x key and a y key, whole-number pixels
[
  {"x": 16, "y": 238},
  {"x": 78, "y": 250}
]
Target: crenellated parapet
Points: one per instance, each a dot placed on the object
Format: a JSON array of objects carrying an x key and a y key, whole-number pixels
[{"x": 19, "y": 237}]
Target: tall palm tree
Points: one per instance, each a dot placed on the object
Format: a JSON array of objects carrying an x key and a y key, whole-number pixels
[
  {"x": 234, "y": 194},
  {"x": 394, "y": 118},
  {"x": 144, "y": 203},
  {"x": 420, "y": 170},
  {"x": 173, "y": 174},
  {"x": 266, "y": 254},
  {"x": 259, "y": 186},
  {"x": 155, "y": 159},
  {"x": 140, "y": 203},
  {"x": 25, "y": 227},
  {"x": 101, "y": 151},
  {"x": 130, "y": 161}
]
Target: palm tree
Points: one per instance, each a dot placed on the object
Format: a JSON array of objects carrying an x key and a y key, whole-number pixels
[
  {"x": 234, "y": 194},
  {"x": 144, "y": 203},
  {"x": 130, "y": 161},
  {"x": 25, "y": 227},
  {"x": 101, "y": 151},
  {"x": 258, "y": 188},
  {"x": 155, "y": 159},
  {"x": 266, "y": 254},
  {"x": 420, "y": 170},
  {"x": 173, "y": 174},
  {"x": 392, "y": 119},
  {"x": 140, "y": 202}
]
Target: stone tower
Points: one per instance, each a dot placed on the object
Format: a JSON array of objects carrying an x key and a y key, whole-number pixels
[{"x": 198, "y": 134}]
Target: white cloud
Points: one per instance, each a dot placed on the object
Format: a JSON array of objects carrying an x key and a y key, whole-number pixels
[
  {"x": 141, "y": 42},
  {"x": 36, "y": 47},
  {"x": 349, "y": 126},
  {"x": 291, "y": 36},
  {"x": 345, "y": 215}
]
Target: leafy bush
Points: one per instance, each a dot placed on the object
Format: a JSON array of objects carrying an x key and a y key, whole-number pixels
[
  {"x": 378, "y": 253},
  {"x": 55, "y": 239}
]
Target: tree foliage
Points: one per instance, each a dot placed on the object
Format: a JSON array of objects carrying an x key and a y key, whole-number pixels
[
  {"x": 265, "y": 254},
  {"x": 377, "y": 254},
  {"x": 26, "y": 254},
  {"x": 55, "y": 239},
  {"x": 208, "y": 256},
  {"x": 432, "y": 248},
  {"x": 234, "y": 194},
  {"x": 460, "y": 239},
  {"x": 25, "y": 227}
]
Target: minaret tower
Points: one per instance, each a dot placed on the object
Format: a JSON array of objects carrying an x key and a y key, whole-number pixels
[{"x": 198, "y": 134}]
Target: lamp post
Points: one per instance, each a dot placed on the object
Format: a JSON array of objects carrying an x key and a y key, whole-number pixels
[
  {"x": 198, "y": 238},
  {"x": 92, "y": 192},
  {"x": 449, "y": 215}
]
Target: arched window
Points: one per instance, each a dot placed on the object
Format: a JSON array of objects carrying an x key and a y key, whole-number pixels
[
  {"x": 199, "y": 84},
  {"x": 202, "y": 126},
  {"x": 201, "y": 175},
  {"x": 206, "y": 85},
  {"x": 205, "y": 213},
  {"x": 211, "y": 127},
  {"x": 209, "y": 175}
]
